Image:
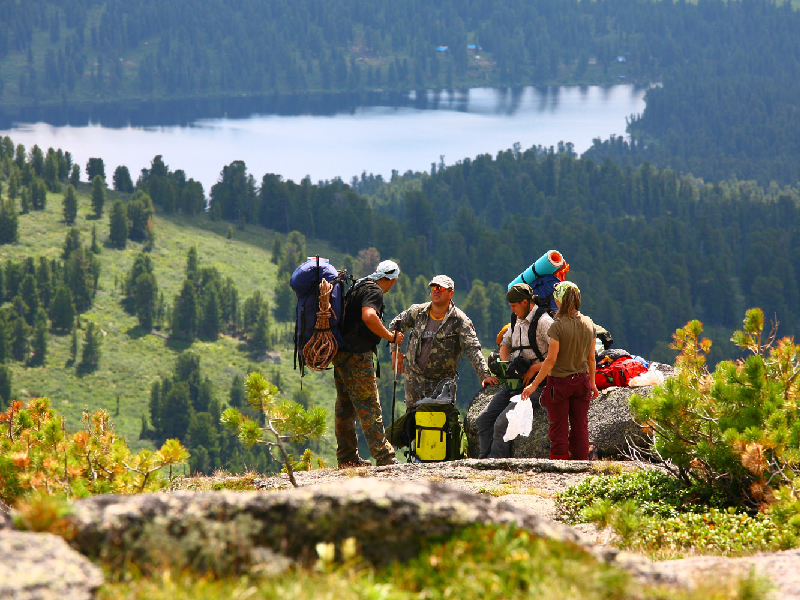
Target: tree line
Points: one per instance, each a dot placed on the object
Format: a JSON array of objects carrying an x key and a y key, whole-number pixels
[{"x": 651, "y": 249}]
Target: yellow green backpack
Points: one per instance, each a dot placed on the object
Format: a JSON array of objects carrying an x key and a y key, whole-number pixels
[{"x": 438, "y": 434}]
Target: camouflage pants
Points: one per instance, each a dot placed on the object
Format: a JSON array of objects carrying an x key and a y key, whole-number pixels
[
  {"x": 357, "y": 398},
  {"x": 419, "y": 387}
]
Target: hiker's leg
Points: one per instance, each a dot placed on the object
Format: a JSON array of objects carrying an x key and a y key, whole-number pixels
[
  {"x": 417, "y": 388},
  {"x": 486, "y": 420},
  {"x": 500, "y": 448},
  {"x": 363, "y": 391},
  {"x": 414, "y": 389},
  {"x": 579, "y": 420},
  {"x": 344, "y": 412},
  {"x": 558, "y": 415}
]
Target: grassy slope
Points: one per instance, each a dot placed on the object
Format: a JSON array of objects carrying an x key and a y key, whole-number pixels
[{"x": 130, "y": 361}]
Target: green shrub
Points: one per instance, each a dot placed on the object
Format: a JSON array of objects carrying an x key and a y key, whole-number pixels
[
  {"x": 655, "y": 493},
  {"x": 736, "y": 431},
  {"x": 38, "y": 455},
  {"x": 654, "y": 513},
  {"x": 284, "y": 421}
]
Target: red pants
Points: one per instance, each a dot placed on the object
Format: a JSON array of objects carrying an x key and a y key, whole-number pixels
[{"x": 567, "y": 402}]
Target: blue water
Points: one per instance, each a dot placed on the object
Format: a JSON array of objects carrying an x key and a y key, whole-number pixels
[{"x": 371, "y": 139}]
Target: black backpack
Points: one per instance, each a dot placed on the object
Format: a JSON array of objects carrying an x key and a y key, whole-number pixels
[{"x": 348, "y": 330}]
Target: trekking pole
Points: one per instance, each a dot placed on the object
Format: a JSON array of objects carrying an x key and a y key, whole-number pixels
[{"x": 394, "y": 385}]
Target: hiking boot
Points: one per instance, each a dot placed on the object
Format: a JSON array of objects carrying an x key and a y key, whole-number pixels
[
  {"x": 355, "y": 464},
  {"x": 592, "y": 452},
  {"x": 391, "y": 461}
]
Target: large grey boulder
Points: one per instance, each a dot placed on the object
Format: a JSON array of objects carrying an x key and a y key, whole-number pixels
[
  {"x": 230, "y": 532},
  {"x": 610, "y": 423},
  {"x": 41, "y": 566}
]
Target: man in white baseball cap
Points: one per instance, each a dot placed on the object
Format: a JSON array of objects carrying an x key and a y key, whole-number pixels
[{"x": 440, "y": 334}]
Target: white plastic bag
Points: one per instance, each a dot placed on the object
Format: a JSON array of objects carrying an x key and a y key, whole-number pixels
[
  {"x": 651, "y": 377},
  {"x": 520, "y": 419}
]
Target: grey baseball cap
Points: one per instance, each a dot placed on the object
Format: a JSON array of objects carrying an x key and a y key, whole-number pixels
[{"x": 444, "y": 281}]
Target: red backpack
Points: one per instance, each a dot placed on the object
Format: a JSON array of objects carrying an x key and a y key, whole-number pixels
[{"x": 618, "y": 373}]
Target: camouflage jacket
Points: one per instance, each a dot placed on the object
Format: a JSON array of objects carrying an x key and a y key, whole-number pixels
[{"x": 456, "y": 336}]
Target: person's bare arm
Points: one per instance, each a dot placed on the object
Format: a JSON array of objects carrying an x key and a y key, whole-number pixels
[
  {"x": 544, "y": 370},
  {"x": 374, "y": 324},
  {"x": 592, "y": 368}
]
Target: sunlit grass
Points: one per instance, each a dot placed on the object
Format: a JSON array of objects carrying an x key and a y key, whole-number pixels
[{"x": 130, "y": 361}]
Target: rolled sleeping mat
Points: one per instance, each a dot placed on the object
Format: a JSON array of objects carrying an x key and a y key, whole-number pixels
[{"x": 547, "y": 264}]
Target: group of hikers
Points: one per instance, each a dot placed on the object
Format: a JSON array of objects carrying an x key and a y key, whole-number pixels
[{"x": 556, "y": 365}]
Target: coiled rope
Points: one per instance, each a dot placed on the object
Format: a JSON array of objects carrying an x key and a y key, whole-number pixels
[{"x": 321, "y": 347}]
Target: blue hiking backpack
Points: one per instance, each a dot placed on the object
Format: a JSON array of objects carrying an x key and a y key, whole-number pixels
[
  {"x": 543, "y": 287},
  {"x": 305, "y": 282}
]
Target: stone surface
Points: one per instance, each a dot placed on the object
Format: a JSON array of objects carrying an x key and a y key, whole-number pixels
[
  {"x": 610, "y": 423},
  {"x": 223, "y": 530},
  {"x": 41, "y": 566},
  {"x": 781, "y": 568}
]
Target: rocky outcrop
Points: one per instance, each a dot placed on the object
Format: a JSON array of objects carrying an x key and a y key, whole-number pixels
[
  {"x": 610, "y": 423},
  {"x": 780, "y": 568},
  {"x": 230, "y": 531},
  {"x": 41, "y": 566}
]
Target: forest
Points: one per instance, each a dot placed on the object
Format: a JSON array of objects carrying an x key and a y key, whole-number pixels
[
  {"x": 724, "y": 75},
  {"x": 693, "y": 215},
  {"x": 650, "y": 249}
]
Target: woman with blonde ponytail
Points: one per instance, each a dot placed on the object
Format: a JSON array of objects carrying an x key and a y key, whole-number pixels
[{"x": 569, "y": 369}]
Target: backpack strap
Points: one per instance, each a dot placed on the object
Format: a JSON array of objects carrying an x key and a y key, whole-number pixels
[
  {"x": 532, "y": 332},
  {"x": 532, "y": 345}
]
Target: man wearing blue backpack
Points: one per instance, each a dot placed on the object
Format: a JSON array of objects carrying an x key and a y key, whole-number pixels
[{"x": 354, "y": 373}]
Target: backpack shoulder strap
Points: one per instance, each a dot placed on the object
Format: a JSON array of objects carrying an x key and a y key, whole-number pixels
[{"x": 532, "y": 332}]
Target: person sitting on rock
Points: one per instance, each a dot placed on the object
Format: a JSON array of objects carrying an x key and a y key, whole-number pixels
[{"x": 515, "y": 346}]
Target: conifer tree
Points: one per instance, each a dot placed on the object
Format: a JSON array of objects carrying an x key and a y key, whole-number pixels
[
  {"x": 3, "y": 337},
  {"x": 98, "y": 195},
  {"x": 79, "y": 276},
  {"x": 70, "y": 205},
  {"x": 155, "y": 409},
  {"x": 191, "y": 264},
  {"x": 62, "y": 310},
  {"x": 73, "y": 348},
  {"x": 90, "y": 354},
  {"x": 44, "y": 282},
  {"x": 39, "y": 342},
  {"x": 145, "y": 300},
  {"x": 72, "y": 241},
  {"x": 95, "y": 247},
  {"x": 211, "y": 317},
  {"x": 118, "y": 225},
  {"x": 25, "y": 200},
  {"x": 38, "y": 194},
  {"x": 184, "y": 315},
  {"x": 13, "y": 185},
  {"x": 5, "y": 387},
  {"x": 176, "y": 411},
  {"x": 19, "y": 339},
  {"x": 8, "y": 222},
  {"x": 75, "y": 176},
  {"x": 30, "y": 296},
  {"x": 260, "y": 338}
]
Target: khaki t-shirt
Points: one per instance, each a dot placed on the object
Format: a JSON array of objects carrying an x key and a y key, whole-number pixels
[{"x": 575, "y": 336}]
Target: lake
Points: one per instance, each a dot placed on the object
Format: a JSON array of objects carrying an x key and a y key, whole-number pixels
[{"x": 325, "y": 140}]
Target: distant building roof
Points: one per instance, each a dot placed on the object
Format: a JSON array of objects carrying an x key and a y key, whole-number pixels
[{"x": 442, "y": 48}]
